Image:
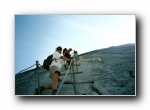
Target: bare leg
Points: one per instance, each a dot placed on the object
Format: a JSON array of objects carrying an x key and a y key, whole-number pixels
[
  {"x": 67, "y": 65},
  {"x": 55, "y": 80}
]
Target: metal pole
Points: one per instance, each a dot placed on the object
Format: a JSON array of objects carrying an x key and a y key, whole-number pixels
[
  {"x": 37, "y": 67},
  {"x": 73, "y": 78},
  {"x": 76, "y": 65}
]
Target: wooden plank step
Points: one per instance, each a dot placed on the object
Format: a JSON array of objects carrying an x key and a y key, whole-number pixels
[
  {"x": 70, "y": 82},
  {"x": 76, "y": 65},
  {"x": 72, "y": 73}
]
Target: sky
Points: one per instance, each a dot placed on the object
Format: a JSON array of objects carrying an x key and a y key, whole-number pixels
[{"x": 37, "y": 36}]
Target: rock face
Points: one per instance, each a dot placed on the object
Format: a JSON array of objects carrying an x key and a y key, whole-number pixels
[{"x": 109, "y": 71}]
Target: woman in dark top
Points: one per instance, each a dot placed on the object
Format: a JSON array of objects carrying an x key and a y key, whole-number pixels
[{"x": 66, "y": 53}]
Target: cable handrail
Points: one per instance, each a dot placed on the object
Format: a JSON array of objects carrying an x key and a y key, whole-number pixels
[
  {"x": 65, "y": 76},
  {"x": 29, "y": 83},
  {"x": 37, "y": 67},
  {"x": 26, "y": 69}
]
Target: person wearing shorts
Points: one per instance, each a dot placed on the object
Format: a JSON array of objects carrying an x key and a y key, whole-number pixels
[{"x": 54, "y": 70}]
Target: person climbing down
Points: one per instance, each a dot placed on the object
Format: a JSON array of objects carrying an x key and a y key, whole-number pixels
[
  {"x": 66, "y": 53},
  {"x": 54, "y": 70}
]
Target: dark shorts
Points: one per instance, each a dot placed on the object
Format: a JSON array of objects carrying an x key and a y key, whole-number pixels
[
  {"x": 68, "y": 56},
  {"x": 68, "y": 62}
]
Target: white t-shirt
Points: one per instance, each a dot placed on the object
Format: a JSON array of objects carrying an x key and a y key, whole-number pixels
[{"x": 56, "y": 61}]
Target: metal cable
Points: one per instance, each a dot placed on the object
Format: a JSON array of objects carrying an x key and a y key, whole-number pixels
[
  {"x": 64, "y": 78},
  {"x": 26, "y": 69},
  {"x": 29, "y": 82},
  {"x": 38, "y": 79},
  {"x": 31, "y": 78}
]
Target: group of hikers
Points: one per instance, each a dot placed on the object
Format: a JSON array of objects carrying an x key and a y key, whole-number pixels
[{"x": 55, "y": 67}]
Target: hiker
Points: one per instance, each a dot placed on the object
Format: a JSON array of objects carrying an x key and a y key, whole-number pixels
[
  {"x": 66, "y": 53},
  {"x": 54, "y": 70}
]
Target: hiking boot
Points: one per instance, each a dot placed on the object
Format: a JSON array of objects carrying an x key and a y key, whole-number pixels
[
  {"x": 54, "y": 91},
  {"x": 41, "y": 89}
]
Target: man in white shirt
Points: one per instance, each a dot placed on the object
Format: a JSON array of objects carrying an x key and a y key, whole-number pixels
[{"x": 54, "y": 70}]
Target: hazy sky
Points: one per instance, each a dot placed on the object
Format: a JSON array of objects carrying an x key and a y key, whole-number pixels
[{"x": 37, "y": 36}]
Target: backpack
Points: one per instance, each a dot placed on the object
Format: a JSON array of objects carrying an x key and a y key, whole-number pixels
[{"x": 47, "y": 62}]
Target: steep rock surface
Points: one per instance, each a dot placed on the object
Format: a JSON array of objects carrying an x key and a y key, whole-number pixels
[{"x": 109, "y": 71}]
